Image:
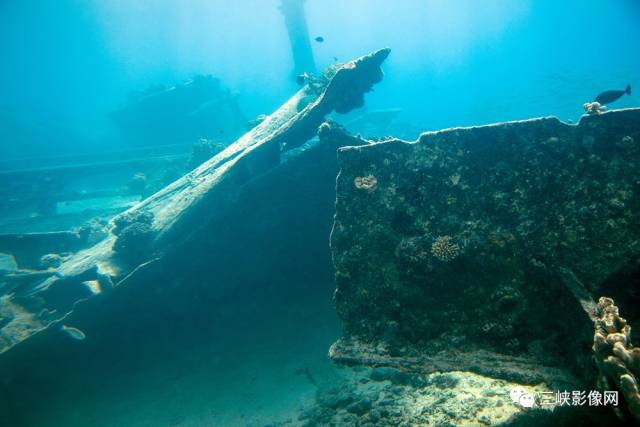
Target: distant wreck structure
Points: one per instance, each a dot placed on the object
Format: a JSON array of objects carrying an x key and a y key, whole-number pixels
[
  {"x": 199, "y": 108},
  {"x": 160, "y": 228}
]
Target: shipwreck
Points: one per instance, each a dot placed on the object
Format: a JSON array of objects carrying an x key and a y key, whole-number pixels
[{"x": 478, "y": 250}]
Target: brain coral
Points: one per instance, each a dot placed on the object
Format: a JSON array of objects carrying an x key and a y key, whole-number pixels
[{"x": 367, "y": 183}]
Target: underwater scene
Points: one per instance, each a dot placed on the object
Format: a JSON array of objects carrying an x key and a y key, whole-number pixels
[{"x": 282, "y": 213}]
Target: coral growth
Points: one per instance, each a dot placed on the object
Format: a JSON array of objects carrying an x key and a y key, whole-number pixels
[
  {"x": 134, "y": 241},
  {"x": 92, "y": 231},
  {"x": 411, "y": 249},
  {"x": 128, "y": 218},
  {"x": 329, "y": 128},
  {"x": 445, "y": 249},
  {"x": 594, "y": 107},
  {"x": 367, "y": 183},
  {"x": 135, "y": 235},
  {"x": 617, "y": 361}
]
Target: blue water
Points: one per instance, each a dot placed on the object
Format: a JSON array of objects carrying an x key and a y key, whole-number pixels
[{"x": 68, "y": 63}]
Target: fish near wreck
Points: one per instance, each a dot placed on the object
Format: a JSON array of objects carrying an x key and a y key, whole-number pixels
[{"x": 610, "y": 96}]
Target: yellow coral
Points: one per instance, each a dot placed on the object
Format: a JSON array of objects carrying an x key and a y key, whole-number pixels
[
  {"x": 367, "y": 183},
  {"x": 594, "y": 107},
  {"x": 445, "y": 249},
  {"x": 618, "y": 363}
]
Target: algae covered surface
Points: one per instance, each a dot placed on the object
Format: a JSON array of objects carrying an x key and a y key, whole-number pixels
[{"x": 490, "y": 237}]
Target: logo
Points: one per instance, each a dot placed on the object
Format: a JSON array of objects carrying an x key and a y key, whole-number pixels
[{"x": 519, "y": 396}]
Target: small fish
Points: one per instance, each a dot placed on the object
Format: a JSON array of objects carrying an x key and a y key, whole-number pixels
[
  {"x": 74, "y": 333},
  {"x": 612, "y": 95},
  {"x": 319, "y": 39}
]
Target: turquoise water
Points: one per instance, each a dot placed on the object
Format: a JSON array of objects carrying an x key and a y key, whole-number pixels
[
  {"x": 66, "y": 64},
  {"x": 104, "y": 103}
]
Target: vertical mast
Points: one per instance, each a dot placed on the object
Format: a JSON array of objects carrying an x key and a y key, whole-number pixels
[{"x": 296, "y": 22}]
